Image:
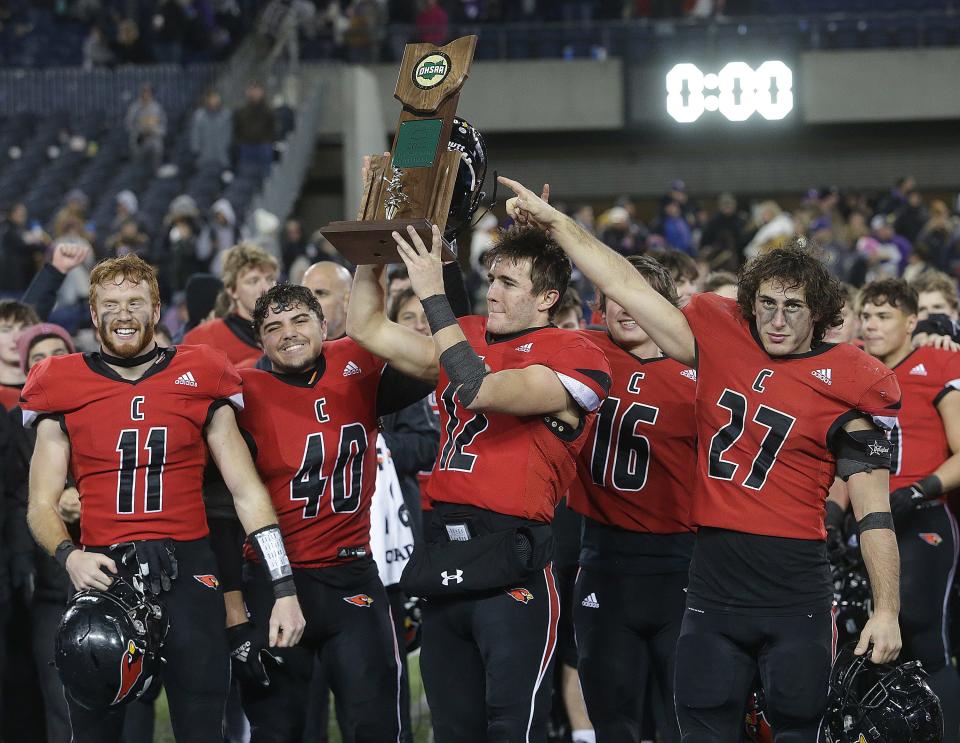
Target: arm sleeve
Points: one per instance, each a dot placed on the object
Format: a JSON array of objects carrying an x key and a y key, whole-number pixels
[
  {"x": 230, "y": 385},
  {"x": 34, "y": 401},
  {"x": 951, "y": 376},
  {"x": 456, "y": 289},
  {"x": 42, "y": 292},
  {"x": 413, "y": 438},
  {"x": 881, "y": 401},
  {"x": 397, "y": 391}
]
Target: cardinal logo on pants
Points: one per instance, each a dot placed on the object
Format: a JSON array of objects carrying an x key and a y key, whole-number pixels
[{"x": 520, "y": 594}]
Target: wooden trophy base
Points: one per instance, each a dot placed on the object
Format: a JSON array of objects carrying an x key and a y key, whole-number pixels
[{"x": 371, "y": 241}]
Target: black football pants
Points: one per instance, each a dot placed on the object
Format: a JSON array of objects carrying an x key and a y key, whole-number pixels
[
  {"x": 196, "y": 674},
  {"x": 627, "y": 628},
  {"x": 356, "y": 641},
  {"x": 718, "y": 655},
  {"x": 487, "y": 663},
  {"x": 928, "y": 557}
]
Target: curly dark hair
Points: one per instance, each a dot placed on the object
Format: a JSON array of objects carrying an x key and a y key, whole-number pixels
[
  {"x": 550, "y": 267},
  {"x": 283, "y": 297},
  {"x": 895, "y": 292},
  {"x": 796, "y": 267}
]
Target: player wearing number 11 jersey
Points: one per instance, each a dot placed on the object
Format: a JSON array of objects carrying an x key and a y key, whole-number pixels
[
  {"x": 134, "y": 423},
  {"x": 778, "y": 413}
]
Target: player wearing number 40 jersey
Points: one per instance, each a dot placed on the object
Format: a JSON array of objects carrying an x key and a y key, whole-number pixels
[
  {"x": 511, "y": 425},
  {"x": 313, "y": 424},
  {"x": 778, "y": 412},
  {"x": 134, "y": 423},
  {"x": 635, "y": 481},
  {"x": 926, "y": 466}
]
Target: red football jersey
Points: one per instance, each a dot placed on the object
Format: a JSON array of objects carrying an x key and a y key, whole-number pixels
[
  {"x": 503, "y": 463},
  {"x": 137, "y": 449},
  {"x": 765, "y": 422},
  {"x": 9, "y": 396},
  {"x": 638, "y": 466},
  {"x": 217, "y": 333},
  {"x": 316, "y": 450},
  {"x": 918, "y": 438}
]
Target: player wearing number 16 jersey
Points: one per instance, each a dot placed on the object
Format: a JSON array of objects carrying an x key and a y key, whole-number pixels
[
  {"x": 134, "y": 423},
  {"x": 635, "y": 478},
  {"x": 778, "y": 413}
]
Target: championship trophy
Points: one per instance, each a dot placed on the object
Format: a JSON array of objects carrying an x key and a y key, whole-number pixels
[{"x": 414, "y": 185}]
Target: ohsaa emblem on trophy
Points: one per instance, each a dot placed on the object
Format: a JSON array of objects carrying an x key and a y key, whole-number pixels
[{"x": 431, "y": 70}]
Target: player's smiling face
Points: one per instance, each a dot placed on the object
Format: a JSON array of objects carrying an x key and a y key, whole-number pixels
[
  {"x": 293, "y": 338},
  {"x": 783, "y": 318},
  {"x": 125, "y": 317},
  {"x": 886, "y": 329},
  {"x": 623, "y": 328},
  {"x": 251, "y": 285},
  {"x": 511, "y": 304}
]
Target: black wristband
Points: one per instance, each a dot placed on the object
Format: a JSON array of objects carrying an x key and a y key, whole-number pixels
[
  {"x": 284, "y": 587},
  {"x": 438, "y": 312},
  {"x": 876, "y": 520},
  {"x": 834, "y": 516},
  {"x": 62, "y": 552},
  {"x": 931, "y": 486}
]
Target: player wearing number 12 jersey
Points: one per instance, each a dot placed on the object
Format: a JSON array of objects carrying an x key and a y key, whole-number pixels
[
  {"x": 134, "y": 423},
  {"x": 778, "y": 412},
  {"x": 635, "y": 478},
  {"x": 511, "y": 426}
]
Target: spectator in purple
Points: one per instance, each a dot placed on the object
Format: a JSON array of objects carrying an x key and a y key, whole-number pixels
[
  {"x": 885, "y": 234},
  {"x": 254, "y": 129},
  {"x": 897, "y": 198},
  {"x": 675, "y": 229},
  {"x": 433, "y": 24}
]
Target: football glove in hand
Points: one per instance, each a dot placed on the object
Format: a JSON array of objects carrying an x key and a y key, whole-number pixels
[{"x": 248, "y": 651}]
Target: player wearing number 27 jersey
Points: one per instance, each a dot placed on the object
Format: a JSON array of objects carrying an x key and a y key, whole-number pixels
[{"x": 778, "y": 413}]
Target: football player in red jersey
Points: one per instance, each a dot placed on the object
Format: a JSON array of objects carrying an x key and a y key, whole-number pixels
[
  {"x": 778, "y": 412},
  {"x": 925, "y": 467},
  {"x": 133, "y": 424},
  {"x": 313, "y": 423},
  {"x": 248, "y": 271},
  {"x": 511, "y": 425},
  {"x": 635, "y": 478}
]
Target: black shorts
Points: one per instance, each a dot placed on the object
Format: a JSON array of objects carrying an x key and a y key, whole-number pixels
[
  {"x": 928, "y": 557},
  {"x": 627, "y": 628},
  {"x": 487, "y": 663},
  {"x": 719, "y": 654},
  {"x": 196, "y": 674},
  {"x": 349, "y": 625}
]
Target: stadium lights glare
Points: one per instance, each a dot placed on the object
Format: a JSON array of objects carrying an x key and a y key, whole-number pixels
[{"x": 737, "y": 91}]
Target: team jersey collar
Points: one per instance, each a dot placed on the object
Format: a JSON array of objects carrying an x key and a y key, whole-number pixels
[
  {"x": 129, "y": 363},
  {"x": 97, "y": 364},
  {"x": 241, "y": 328},
  {"x": 815, "y": 351},
  {"x": 308, "y": 378},
  {"x": 492, "y": 338},
  {"x": 903, "y": 360},
  {"x": 640, "y": 359}
]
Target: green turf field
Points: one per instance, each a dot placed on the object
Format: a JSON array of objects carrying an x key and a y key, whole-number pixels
[{"x": 420, "y": 715}]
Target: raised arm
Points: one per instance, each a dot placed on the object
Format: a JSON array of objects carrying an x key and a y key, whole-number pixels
[
  {"x": 609, "y": 271},
  {"x": 368, "y": 324},
  {"x": 868, "y": 490}
]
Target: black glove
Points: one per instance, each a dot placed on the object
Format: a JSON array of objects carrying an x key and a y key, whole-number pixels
[
  {"x": 157, "y": 564},
  {"x": 248, "y": 650},
  {"x": 904, "y": 501}
]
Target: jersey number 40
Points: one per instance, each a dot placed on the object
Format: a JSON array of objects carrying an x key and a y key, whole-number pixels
[{"x": 309, "y": 483}]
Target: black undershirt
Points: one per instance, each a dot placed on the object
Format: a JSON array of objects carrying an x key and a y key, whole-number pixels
[{"x": 745, "y": 573}]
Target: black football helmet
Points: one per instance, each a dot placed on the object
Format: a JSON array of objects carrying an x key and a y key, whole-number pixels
[
  {"x": 851, "y": 594},
  {"x": 109, "y": 643},
  {"x": 467, "y": 191},
  {"x": 880, "y": 703}
]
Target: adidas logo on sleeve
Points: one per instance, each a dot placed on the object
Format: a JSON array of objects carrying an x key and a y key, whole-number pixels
[
  {"x": 350, "y": 369},
  {"x": 186, "y": 379},
  {"x": 919, "y": 370}
]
